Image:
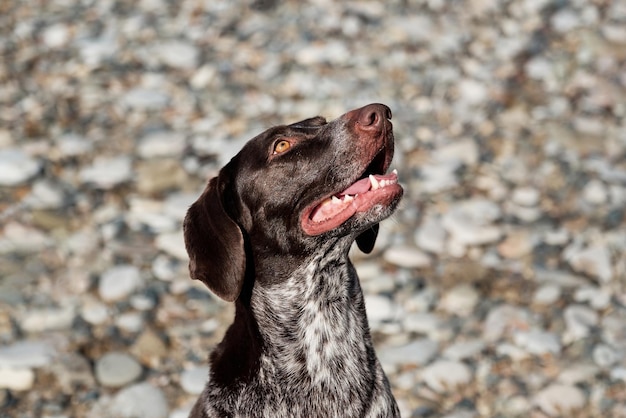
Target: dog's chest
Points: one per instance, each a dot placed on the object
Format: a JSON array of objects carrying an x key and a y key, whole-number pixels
[{"x": 315, "y": 330}]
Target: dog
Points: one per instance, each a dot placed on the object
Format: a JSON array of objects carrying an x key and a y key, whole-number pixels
[{"x": 271, "y": 233}]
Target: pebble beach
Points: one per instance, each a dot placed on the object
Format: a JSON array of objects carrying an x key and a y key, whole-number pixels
[{"x": 497, "y": 289}]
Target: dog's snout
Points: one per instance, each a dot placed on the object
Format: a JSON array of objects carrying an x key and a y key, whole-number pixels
[{"x": 372, "y": 117}]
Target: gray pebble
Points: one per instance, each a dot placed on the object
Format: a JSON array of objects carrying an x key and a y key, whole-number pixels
[
  {"x": 579, "y": 320},
  {"x": 16, "y": 167},
  {"x": 594, "y": 261},
  {"x": 557, "y": 399},
  {"x": 538, "y": 342},
  {"x": 106, "y": 173},
  {"x": 18, "y": 379},
  {"x": 446, "y": 376},
  {"x": 407, "y": 257},
  {"x": 193, "y": 380},
  {"x": 379, "y": 308},
  {"x": 119, "y": 282},
  {"x": 460, "y": 300},
  {"x": 25, "y": 354},
  {"x": 141, "y": 400},
  {"x": 418, "y": 352},
  {"x": 117, "y": 369},
  {"x": 464, "y": 349},
  {"x": 161, "y": 144}
]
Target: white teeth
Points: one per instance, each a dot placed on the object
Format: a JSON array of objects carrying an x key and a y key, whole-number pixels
[
  {"x": 395, "y": 171},
  {"x": 348, "y": 198},
  {"x": 335, "y": 200},
  {"x": 374, "y": 182}
]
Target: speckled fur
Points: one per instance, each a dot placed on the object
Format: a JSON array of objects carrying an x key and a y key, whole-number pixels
[{"x": 318, "y": 359}]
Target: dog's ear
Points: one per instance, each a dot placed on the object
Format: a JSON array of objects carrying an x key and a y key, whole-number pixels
[
  {"x": 367, "y": 239},
  {"x": 215, "y": 243}
]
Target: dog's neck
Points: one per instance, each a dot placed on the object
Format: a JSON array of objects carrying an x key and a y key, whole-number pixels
[
  {"x": 306, "y": 337},
  {"x": 315, "y": 319}
]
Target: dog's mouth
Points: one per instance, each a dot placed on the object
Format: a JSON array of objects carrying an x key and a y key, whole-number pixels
[{"x": 371, "y": 189}]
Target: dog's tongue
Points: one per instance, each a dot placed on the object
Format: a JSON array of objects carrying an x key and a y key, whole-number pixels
[{"x": 360, "y": 186}]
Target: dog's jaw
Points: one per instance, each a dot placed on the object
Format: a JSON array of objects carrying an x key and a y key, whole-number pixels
[{"x": 360, "y": 197}]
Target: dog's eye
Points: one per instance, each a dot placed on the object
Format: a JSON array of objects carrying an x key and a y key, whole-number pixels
[{"x": 281, "y": 146}]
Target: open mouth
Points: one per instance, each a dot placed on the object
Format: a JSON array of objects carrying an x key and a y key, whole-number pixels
[{"x": 370, "y": 190}]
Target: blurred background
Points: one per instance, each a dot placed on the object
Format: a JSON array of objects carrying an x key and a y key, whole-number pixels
[{"x": 498, "y": 289}]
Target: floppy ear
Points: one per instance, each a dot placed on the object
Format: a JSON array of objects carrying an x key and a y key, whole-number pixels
[
  {"x": 367, "y": 239},
  {"x": 215, "y": 244}
]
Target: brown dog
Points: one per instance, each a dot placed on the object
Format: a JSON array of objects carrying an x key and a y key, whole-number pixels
[{"x": 272, "y": 232}]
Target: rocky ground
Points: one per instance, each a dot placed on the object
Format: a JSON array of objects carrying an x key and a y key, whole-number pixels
[{"x": 497, "y": 290}]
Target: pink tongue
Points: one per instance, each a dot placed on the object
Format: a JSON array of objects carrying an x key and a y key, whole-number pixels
[{"x": 360, "y": 186}]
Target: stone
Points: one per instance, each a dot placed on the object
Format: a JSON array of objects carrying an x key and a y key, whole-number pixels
[
  {"x": 559, "y": 400},
  {"x": 462, "y": 350},
  {"x": 145, "y": 99},
  {"x": 22, "y": 239},
  {"x": 71, "y": 370},
  {"x": 565, "y": 20},
  {"x": 116, "y": 369},
  {"x": 17, "y": 167},
  {"x": 446, "y": 376},
  {"x": 547, "y": 294},
  {"x": 49, "y": 319},
  {"x": 71, "y": 146},
  {"x": 149, "y": 348},
  {"x": 45, "y": 195},
  {"x": 119, "y": 282},
  {"x": 94, "y": 312},
  {"x": 130, "y": 321},
  {"x": 177, "y": 54},
  {"x": 503, "y": 319},
  {"x": 594, "y": 261},
  {"x": 614, "y": 33},
  {"x": 26, "y": 354},
  {"x": 159, "y": 175},
  {"x": 472, "y": 92},
  {"x": 55, "y": 36},
  {"x": 406, "y": 257},
  {"x": 141, "y": 400},
  {"x": 193, "y": 380},
  {"x": 460, "y": 300},
  {"x": 469, "y": 222},
  {"x": 379, "y": 308},
  {"x": 161, "y": 144},
  {"x": 579, "y": 320},
  {"x": 463, "y": 151},
  {"x": 578, "y": 373},
  {"x": 598, "y": 298},
  {"x": 172, "y": 243},
  {"x": 422, "y": 322},
  {"x": 605, "y": 356},
  {"x": 18, "y": 379},
  {"x": 538, "y": 342},
  {"x": 431, "y": 236},
  {"x": 108, "y": 172},
  {"x": 595, "y": 192},
  {"x": 517, "y": 244},
  {"x": 417, "y": 353},
  {"x": 526, "y": 196}
]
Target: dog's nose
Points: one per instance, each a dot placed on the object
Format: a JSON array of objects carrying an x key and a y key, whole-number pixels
[{"x": 372, "y": 117}]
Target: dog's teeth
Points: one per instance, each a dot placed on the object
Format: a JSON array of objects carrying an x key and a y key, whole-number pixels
[
  {"x": 335, "y": 200},
  {"x": 348, "y": 198},
  {"x": 374, "y": 182},
  {"x": 394, "y": 171}
]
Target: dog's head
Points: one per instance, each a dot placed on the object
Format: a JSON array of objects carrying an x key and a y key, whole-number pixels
[{"x": 290, "y": 188}]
